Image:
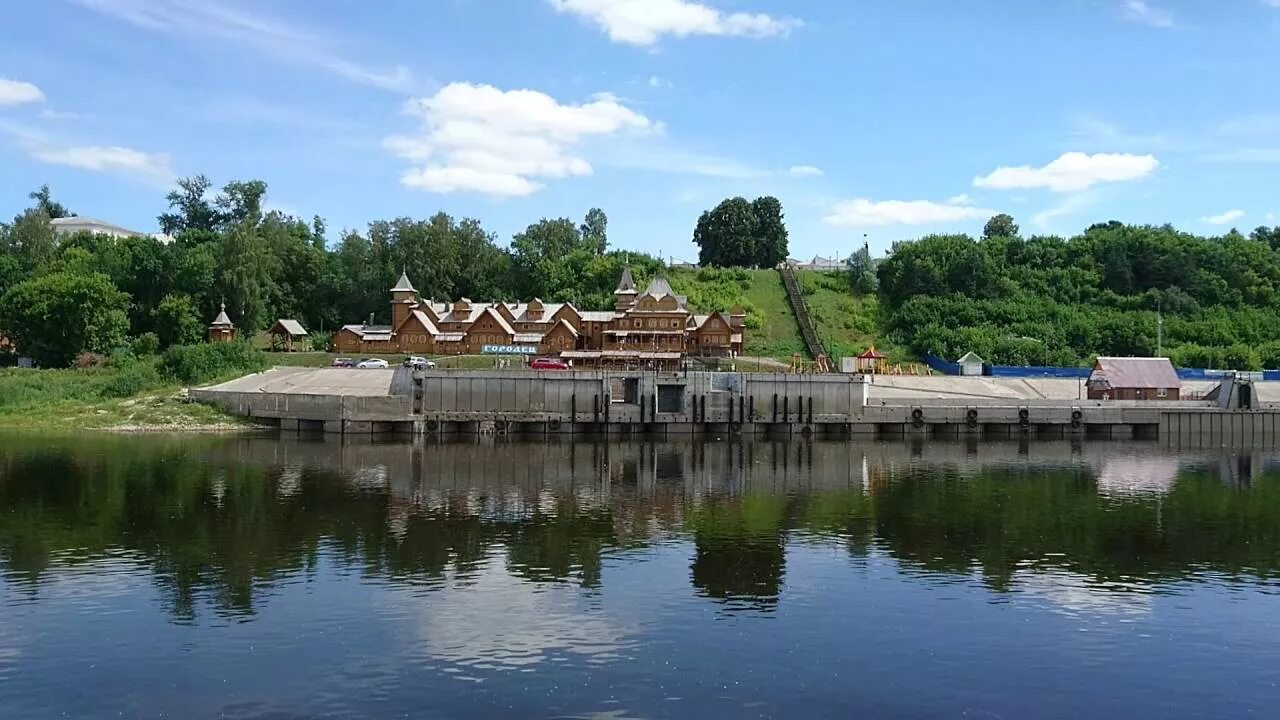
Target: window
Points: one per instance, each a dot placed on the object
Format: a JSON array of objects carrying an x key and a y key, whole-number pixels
[{"x": 1162, "y": 393}]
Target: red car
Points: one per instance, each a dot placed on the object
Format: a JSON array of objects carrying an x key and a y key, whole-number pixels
[{"x": 546, "y": 363}]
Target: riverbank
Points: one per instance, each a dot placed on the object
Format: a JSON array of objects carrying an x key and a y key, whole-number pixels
[
  {"x": 158, "y": 410},
  {"x": 126, "y": 394}
]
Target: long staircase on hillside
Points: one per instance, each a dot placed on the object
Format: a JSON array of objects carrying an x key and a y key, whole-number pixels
[{"x": 801, "y": 312}]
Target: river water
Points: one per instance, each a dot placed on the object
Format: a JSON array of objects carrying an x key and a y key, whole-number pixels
[{"x": 263, "y": 578}]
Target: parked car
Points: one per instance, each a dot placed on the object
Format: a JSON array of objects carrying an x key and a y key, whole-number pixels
[
  {"x": 413, "y": 362},
  {"x": 547, "y": 363},
  {"x": 344, "y": 363},
  {"x": 373, "y": 364}
]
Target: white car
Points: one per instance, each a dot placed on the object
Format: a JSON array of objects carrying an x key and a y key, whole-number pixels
[
  {"x": 414, "y": 362},
  {"x": 372, "y": 364}
]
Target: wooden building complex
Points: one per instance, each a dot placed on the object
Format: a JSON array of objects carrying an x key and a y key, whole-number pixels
[{"x": 655, "y": 321}]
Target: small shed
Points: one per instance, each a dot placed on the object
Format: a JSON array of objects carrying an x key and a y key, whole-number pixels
[
  {"x": 285, "y": 333},
  {"x": 222, "y": 329},
  {"x": 970, "y": 364},
  {"x": 871, "y": 362},
  {"x": 1131, "y": 378}
]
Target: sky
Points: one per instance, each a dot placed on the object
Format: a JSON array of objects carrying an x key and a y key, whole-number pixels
[{"x": 875, "y": 120}]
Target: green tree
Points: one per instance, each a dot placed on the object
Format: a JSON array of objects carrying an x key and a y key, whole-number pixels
[
  {"x": 47, "y": 205},
  {"x": 189, "y": 208},
  {"x": 54, "y": 317},
  {"x": 240, "y": 201},
  {"x": 594, "y": 231},
  {"x": 1000, "y": 226},
  {"x": 31, "y": 240},
  {"x": 861, "y": 272},
  {"x": 177, "y": 321},
  {"x": 246, "y": 272},
  {"x": 540, "y": 252},
  {"x": 771, "y": 232},
  {"x": 726, "y": 234}
]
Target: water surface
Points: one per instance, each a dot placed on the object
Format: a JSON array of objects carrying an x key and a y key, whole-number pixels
[{"x": 264, "y": 578}]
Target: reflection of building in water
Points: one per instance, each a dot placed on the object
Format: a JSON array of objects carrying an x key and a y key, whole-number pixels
[
  {"x": 1081, "y": 595},
  {"x": 556, "y": 510},
  {"x": 1122, "y": 475},
  {"x": 489, "y": 622}
]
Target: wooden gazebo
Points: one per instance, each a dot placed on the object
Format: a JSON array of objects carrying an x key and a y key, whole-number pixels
[
  {"x": 284, "y": 333},
  {"x": 871, "y": 362}
]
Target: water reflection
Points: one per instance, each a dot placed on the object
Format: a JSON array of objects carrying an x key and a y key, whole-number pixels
[{"x": 218, "y": 520}]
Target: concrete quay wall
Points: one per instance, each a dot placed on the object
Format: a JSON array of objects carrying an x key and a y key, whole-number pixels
[{"x": 520, "y": 401}]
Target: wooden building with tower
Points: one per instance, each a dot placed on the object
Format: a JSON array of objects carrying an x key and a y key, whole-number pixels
[
  {"x": 222, "y": 329},
  {"x": 653, "y": 320}
]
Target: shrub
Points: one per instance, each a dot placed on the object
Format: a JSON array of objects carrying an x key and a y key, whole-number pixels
[
  {"x": 88, "y": 360},
  {"x": 145, "y": 345},
  {"x": 319, "y": 342},
  {"x": 130, "y": 379},
  {"x": 194, "y": 364}
]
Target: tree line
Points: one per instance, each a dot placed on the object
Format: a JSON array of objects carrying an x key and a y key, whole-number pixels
[
  {"x": 60, "y": 296},
  {"x": 1115, "y": 289}
]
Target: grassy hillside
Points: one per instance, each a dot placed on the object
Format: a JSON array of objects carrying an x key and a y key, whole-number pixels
[
  {"x": 847, "y": 325},
  {"x": 771, "y": 328}
]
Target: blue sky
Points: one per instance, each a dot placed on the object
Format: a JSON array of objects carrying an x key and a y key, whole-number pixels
[{"x": 893, "y": 118}]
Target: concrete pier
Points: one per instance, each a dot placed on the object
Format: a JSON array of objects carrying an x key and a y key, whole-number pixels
[{"x": 521, "y": 402}]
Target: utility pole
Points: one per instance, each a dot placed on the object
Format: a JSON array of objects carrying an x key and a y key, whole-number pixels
[{"x": 1159, "y": 331}]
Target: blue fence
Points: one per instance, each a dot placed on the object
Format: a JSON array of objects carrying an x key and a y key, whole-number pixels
[
  {"x": 939, "y": 365},
  {"x": 1013, "y": 371}
]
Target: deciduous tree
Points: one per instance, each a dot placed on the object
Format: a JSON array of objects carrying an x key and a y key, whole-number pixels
[{"x": 54, "y": 317}]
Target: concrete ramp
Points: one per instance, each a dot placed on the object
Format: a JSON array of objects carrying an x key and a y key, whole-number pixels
[{"x": 322, "y": 381}]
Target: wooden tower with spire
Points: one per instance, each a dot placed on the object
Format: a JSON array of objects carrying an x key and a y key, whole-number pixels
[
  {"x": 403, "y": 298},
  {"x": 222, "y": 329}
]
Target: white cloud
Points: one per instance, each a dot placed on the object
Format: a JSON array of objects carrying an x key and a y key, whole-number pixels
[
  {"x": 1072, "y": 172},
  {"x": 1272, "y": 3},
  {"x": 804, "y": 171},
  {"x": 644, "y": 22},
  {"x": 961, "y": 199},
  {"x": 1229, "y": 216},
  {"x": 1264, "y": 155},
  {"x": 51, "y": 114},
  {"x": 207, "y": 20},
  {"x": 659, "y": 83},
  {"x": 862, "y": 212},
  {"x": 17, "y": 92},
  {"x": 1070, "y": 205},
  {"x": 1255, "y": 124},
  {"x": 680, "y": 162},
  {"x": 1100, "y": 134},
  {"x": 1140, "y": 11},
  {"x": 112, "y": 158},
  {"x": 477, "y": 138},
  {"x": 1271, "y": 217}
]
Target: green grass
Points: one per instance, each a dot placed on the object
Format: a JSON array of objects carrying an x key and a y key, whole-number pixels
[
  {"x": 130, "y": 397},
  {"x": 771, "y": 328},
  {"x": 847, "y": 325}
]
